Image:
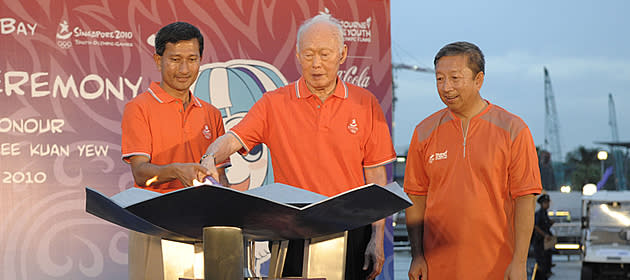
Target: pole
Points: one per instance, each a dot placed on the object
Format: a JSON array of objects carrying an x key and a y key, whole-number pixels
[{"x": 222, "y": 253}]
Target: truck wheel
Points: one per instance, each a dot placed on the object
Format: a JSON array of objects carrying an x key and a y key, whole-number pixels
[{"x": 587, "y": 272}]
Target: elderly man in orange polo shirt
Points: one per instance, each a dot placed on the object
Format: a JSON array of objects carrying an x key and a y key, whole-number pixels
[
  {"x": 325, "y": 135},
  {"x": 472, "y": 173},
  {"x": 165, "y": 132}
]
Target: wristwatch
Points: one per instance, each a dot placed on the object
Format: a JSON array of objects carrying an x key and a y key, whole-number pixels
[{"x": 204, "y": 156}]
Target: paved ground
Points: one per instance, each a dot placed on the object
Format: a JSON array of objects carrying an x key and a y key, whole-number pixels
[{"x": 566, "y": 268}]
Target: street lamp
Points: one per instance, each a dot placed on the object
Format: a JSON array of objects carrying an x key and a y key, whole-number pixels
[
  {"x": 589, "y": 189},
  {"x": 602, "y": 156}
]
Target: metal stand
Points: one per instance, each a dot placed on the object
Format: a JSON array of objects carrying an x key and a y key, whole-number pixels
[
  {"x": 222, "y": 253},
  {"x": 208, "y": 207},
  {"x": 278, "y": 255},
  {"x": 325, "y": 256},
  {"x": 250, "y": 258}
]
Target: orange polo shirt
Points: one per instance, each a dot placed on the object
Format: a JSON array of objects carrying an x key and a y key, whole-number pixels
[
  {"x": 471, "y": 182},
  {"x": 155, "y": 125},
  {"x": 319, "y": 146}
]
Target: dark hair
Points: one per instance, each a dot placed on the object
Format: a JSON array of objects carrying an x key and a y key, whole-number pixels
[
  {"x": 543, "y": 198},
  {"x": 476, "y": 62},
  {"x": 175, "y": 32}
]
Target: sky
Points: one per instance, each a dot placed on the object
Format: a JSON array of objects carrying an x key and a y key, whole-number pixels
[{"x": 585, "y": 45}]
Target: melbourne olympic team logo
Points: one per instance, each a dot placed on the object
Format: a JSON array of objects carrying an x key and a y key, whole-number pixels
[
  {"x": 233, "y": 87},
  {"x": 63, "y": 35}
]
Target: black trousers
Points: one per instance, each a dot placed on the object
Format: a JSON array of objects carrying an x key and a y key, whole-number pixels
[
  {"x": 543, "y": 259},
  {"x": 355, "y": 255}
]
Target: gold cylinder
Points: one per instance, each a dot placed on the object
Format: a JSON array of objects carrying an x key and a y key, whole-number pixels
[{"x": 223, "y": 253}]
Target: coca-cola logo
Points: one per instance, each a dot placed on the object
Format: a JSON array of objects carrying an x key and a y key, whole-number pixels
[{"x": 355, "y": 76}]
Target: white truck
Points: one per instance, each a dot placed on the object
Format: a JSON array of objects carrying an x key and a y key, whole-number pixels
[{"x": 606, "y": 235}]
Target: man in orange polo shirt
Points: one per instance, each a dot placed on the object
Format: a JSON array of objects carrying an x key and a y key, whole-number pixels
[
  {"x": 472, "y": 173},
  {"x": 165, "y": 132},
  {"x": 325, "y": 135}
]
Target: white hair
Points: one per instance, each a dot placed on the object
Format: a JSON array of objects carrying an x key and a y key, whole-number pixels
[{"x": 327, "y": 18}]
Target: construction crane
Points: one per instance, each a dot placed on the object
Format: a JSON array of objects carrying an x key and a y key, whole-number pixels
[
  {"x": 411, "y": 67},
  {"x": 552, "y": 124},
  {"x": 617, "y": 154},
  {"x": 402, "y": 66},
  {"x": 555, "y": 173}
]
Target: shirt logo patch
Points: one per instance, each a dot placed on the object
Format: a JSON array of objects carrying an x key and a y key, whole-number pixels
[
  {"x": 438, "y": 156},
  {"x": 206, "y": 132},
  {"x": 353, "y": 127}
]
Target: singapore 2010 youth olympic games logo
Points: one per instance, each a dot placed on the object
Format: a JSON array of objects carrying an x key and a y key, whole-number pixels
[
  {"x": 63, "y": 35},
  {"x": 68, "y": 36}
]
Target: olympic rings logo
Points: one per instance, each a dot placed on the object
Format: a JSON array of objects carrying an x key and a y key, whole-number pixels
[{"x": 64, "y": 44}]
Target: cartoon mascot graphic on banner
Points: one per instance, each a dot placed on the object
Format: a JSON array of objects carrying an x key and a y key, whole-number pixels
[{"x": 233, "y": 87}]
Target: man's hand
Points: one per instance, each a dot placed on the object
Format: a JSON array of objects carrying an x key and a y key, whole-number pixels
[
  {"x": 187, "y": 172},
  {"x": 217, "y": 152},
  {"x": 516, "y": 271},
  {"x": 209, "y": 164},
  {"x": 418, "y": 268},
  {"x": 374, "y": 254},
  {"x": 415, "y": 229},
  {"x": 144, "y": 171},
  {"x": 523, "y": 225},
  {"x": 548, "y": 237}
]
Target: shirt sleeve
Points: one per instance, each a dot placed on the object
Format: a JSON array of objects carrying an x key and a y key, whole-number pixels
[
  {"x": 523, "y": 170},
  {"x": 136, "y": 133},
  {"x": 416, "y": 178},
  {"x": 250, "y": 131},
  {"x": 379, "y": 149}
]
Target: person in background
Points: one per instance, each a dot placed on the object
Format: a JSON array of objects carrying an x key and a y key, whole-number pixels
[
  {"x": 165, "y": 132},
  {"x": 325, "y": 136},
  {"x": 542, "y": 234},
  {"x": 472, "y": 173}
]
